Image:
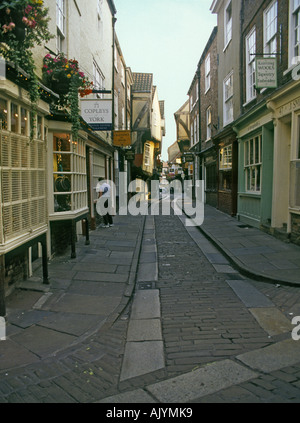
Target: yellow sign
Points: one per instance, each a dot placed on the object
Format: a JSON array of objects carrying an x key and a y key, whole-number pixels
[{"x": 122, "y": 138}]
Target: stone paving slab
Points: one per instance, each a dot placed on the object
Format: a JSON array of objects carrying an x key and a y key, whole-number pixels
[
  {"x": 132, "y": 397},
  {"x": 21, "y": 355},
  {"x": 71, "y": 323},
  {"x": 141, "y": 358},
  {"x": 146, "y": 305},
  {"x": 144, "y": 330},
  {"x": 86, "y": 304},
  {"x": 42, "y": 341},
  {"x": 147, "y": 272},
  {"x": 274, "y": 357},
  {"x": 106, "y": 289},
  {"x": 25, "y": 319},
  {"x": 249, "y": 295},
  {"x": 101, "y": 277},
  {"x": 272, "y": 320},
  {"x": 97, "y": 267},
  {"x": 206, "y": 380}
]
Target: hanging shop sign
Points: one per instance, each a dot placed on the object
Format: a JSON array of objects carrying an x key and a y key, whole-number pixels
[
  {"x": 129, "y": 155},
  {"x": 122, "y": 138},
  {"x": 97, "y": 114},
  {"x": 266, "y": 72},
  {"x": 188, "y": 157}
]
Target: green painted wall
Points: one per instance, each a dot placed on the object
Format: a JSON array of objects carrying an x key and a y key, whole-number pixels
[
  {"x": 255, "y": 209},
  {"x": 267, "y": 174}
]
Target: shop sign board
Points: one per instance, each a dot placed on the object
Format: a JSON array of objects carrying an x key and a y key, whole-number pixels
[
  {"x": 266, "y": 72},
  {"x": 97, "y": 113},
  {"x": 122, "y": 138}
]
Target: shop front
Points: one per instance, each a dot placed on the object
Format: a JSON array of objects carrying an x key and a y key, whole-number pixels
[
  {"x": 286, "y": 206},
  {"x": 23, "y": 194},
  {"x": 255, "y": 174},
  {"x": 68, "y": 199}
]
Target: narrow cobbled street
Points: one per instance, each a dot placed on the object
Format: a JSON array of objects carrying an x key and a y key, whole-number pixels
[{"x": 206, "y": 324}]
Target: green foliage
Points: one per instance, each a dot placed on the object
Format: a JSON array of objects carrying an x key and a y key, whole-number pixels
[
  {"x": 24, "y": 24},
  {"x": 63, "y": 76}
]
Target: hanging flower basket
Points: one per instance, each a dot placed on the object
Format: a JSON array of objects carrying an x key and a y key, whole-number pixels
[
  {"x": 23, "y": 21},
  {"x": 64, "y": 77},
  {"x": 23, "y": 25}
]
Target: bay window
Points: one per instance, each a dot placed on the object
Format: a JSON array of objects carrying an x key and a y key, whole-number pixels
[{"x": 69, "y": 173}]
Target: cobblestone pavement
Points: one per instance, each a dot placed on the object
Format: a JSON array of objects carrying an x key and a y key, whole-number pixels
[{"x": 203, "y": 321}]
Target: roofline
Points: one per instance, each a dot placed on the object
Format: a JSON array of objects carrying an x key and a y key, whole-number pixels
[
  {"x": 215, "y": 6},
  {"x": 112, "y": 7}
]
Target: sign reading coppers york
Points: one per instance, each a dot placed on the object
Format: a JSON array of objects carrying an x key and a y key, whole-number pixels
[{"x": 97, "y": 114}]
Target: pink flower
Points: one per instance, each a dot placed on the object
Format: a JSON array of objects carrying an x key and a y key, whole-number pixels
[
  {"x": 28, "y": 9},
  {"x": 32, "y": 24}
]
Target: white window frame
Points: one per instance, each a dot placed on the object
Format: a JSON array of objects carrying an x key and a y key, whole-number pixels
[
  {"x": 294, "y": 33},
  {"x": 147, "y": 153},
  {"x": 228, "y": 23},
  {"x": 196, "y": 120},
  {"x": 60, "y": 24},
  {"x": 98, "y": 79},
  {"x": 208, "y": 123},
  {"x": 225, "y": 158},
  {"x": 271, "y": 29},
  {"x": 191, "y": 102},
  {"x": 116, "y": 107},
  {"x": 250, "y": 65},
  {"x": 207, "y": 73},
  {"x": 253, "y": 164},
  {"x": 76, "y": 198},
  {"x": 99, "y": 9},
  {"x": 228, "y": 101}
]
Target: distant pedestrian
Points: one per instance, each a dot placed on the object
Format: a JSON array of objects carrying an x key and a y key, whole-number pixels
[{"x": 104, "y": 191}]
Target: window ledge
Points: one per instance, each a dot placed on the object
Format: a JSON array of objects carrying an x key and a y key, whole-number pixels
[
  {"x": 294, "y": 209},
  {"x": 250, "y": 194},
  {"x": 249, "y": 101},
  {"x": 226, "y": 46}
]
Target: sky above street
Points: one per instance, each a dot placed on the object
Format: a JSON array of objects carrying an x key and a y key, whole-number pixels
[{"x": 166, "y": 38}]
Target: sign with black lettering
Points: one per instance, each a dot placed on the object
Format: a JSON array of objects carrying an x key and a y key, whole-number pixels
[
  {"x": 122, "y": 138},
  {"x": 129, "y": 155},
  {"x": 97, "y": 114},
  {"x": 188, "y": 157},
  {"x": 266, "y": 72}
]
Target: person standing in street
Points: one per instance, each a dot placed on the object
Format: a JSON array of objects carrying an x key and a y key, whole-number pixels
[{"x": 104, "y": 191}]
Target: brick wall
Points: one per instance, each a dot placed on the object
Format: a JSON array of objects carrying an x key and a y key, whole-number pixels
[
  {"x": 16, "y": 269},
  {"x": 253, "y": 15},
  {"x": 60, "y": 236},
  {"x": 225, "y": 201},
  {"x": 209, "y": 98}
]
